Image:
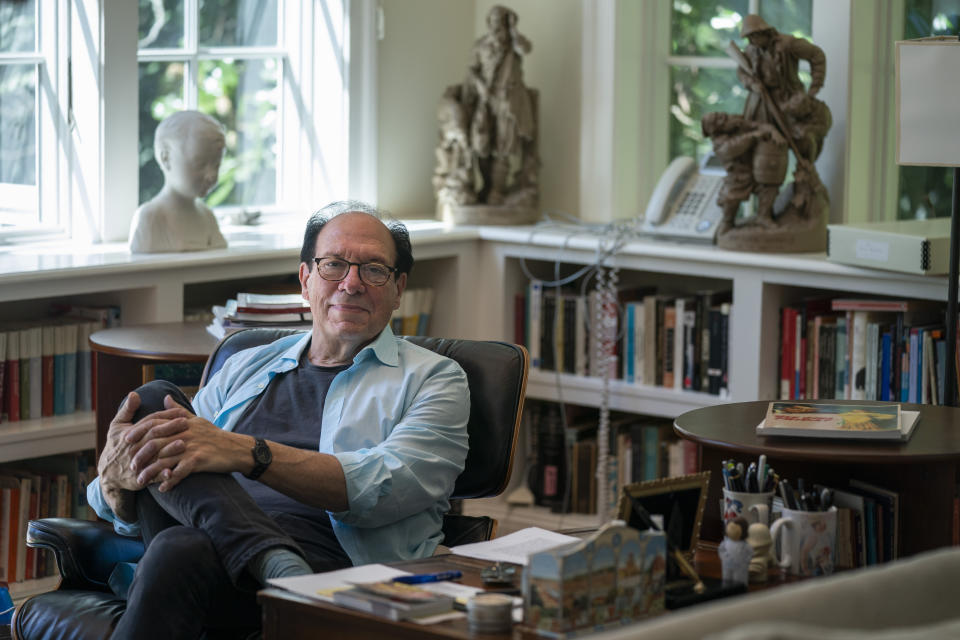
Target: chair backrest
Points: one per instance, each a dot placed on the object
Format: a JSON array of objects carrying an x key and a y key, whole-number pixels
[{"x": 497, "y": 376}]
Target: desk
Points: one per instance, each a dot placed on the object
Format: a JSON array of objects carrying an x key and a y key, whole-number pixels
[
  {"x": 121, "y": 353},
  {"x": 290, "y": 616},
  {"x": 923, "y": 470}
]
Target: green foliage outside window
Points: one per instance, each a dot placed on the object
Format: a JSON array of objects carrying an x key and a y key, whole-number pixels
[
  {"x": 242, "y": 94},
  {"x": 925, "y": 192}
]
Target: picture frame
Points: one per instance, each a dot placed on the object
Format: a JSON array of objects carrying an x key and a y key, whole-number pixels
[{"x": 680, "y": 500}]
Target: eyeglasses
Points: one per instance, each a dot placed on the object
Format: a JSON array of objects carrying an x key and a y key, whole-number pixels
[{"x": 336, "y": 269}]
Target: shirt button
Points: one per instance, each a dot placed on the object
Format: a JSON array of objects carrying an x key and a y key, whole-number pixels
[{"x": 260, "y": 386}]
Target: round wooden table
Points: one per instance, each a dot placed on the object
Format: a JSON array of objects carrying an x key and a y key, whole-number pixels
[
  {"x": 922, "y": 470},
  {"x": 123, "y": 356}
]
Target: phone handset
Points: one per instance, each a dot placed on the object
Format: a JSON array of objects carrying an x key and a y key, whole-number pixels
[{"x": 668, "y": 188}]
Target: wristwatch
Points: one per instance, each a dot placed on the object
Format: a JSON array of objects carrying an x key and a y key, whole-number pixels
[{"x": 261, "y": 458}]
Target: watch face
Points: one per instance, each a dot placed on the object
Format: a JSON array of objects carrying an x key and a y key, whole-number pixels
[{"x": 261, "y": 453}]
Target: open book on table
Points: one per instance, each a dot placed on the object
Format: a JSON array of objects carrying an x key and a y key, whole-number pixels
[{"x": 827, "y": 420}]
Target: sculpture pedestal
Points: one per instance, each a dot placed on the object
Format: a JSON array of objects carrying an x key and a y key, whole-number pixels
[{"x": 481, "y": 214}]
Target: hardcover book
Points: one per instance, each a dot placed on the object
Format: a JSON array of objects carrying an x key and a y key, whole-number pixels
[{"x": 825, "y": 420}]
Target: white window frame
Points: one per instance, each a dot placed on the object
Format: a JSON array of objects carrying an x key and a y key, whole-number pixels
[
  {"x": 91, "y": 192},
  {"x": 50, "y": 77},
  {"x": 626, "y": 56}
]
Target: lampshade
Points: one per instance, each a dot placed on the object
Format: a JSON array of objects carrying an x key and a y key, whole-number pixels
[{"x": 928, "y": 116}]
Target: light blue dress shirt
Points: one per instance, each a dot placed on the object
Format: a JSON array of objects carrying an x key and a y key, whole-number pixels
[{"x": 396, "y": 419}]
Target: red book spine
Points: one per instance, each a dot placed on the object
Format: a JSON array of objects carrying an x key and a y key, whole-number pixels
[
  {"x": 787, "y": 352},
  {"x": 46, "y": 369}
]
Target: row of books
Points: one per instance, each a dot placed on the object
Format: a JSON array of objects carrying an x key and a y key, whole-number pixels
[
  {"x": 868, "y": 525},
  {"x": 564, "y": 475},
  {"x": 412, "y": 317},
  {"x": 54, "y": 486},
  {"x": 46, "y": 367},
  {"x": 863, "y": 349},
  {"x": 677, "y": 341}
]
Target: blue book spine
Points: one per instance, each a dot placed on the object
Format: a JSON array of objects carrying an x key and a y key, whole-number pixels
[
  {"x": 940, "y": 346},
  {"x": 914, "y": 368},
  {"x": 886, "y": 362}
]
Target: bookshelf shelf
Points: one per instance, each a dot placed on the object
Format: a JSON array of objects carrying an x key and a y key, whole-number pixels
[
  {"x": 632, "y": 398},
  {"x": 47, "y": 436}
]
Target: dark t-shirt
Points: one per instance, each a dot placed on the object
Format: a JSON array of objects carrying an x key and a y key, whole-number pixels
[{"x": 290, "y": 412}]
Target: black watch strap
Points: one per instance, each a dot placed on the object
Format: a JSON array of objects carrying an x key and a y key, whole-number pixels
[{"x": 262, "y": 457}]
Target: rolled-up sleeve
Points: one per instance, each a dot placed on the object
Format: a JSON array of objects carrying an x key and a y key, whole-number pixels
[{"x": 416, "y": 466}]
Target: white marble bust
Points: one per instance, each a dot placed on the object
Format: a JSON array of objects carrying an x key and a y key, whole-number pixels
[{"x": 188, "y": 147}]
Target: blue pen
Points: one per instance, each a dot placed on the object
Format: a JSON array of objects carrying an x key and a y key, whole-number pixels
[{"x": 429, "y": 577}]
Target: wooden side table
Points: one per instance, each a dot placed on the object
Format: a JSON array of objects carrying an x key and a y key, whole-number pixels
[
  {"x": 923, "y": 470},
  {"x": 121, "y": 353}
]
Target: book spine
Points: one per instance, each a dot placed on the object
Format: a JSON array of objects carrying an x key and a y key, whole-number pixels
[
  {"x": 667, "y": 344},
  {"x": 12, "y": 394},
  {"x": 534, "y": 300},
  {"x": 24, "y": 374},
  {"x": 678, "y": 333},
  {"x": 36, "y": 372},
  {"x": 724, "y": 390},
  {"x": 886, "y": 365}
]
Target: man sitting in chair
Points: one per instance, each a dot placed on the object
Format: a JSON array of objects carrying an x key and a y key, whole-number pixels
[{"x": 320, "y": 450}]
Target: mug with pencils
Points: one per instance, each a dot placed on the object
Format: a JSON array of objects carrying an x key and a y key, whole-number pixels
[
  {"x": 747, "y": 491},
  {"x": 755, "y": 507}
]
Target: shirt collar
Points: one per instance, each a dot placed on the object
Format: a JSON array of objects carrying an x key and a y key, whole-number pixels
[{"x": 384, "y": 348}]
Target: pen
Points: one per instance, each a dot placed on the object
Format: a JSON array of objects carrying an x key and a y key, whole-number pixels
[
  {"x": 429, "y": 577},
  {"x": 762, "y": 472}
]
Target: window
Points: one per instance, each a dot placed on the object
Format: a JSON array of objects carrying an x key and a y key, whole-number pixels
[
  {"x": 28, "y": 81},
  {"x": 286, "y": 79},
  {"x": 925, "y": 192},
  {"x": 225, "y": 60},
  {"x": 703, "y": 78}
]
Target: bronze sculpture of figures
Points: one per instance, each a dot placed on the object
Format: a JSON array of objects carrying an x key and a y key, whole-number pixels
[
  {"x": 487, "y": 159},
  {"x": 780, "y": 116}
]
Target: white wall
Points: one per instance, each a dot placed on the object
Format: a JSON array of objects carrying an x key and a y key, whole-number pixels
[{"x": 427, "y": 47}]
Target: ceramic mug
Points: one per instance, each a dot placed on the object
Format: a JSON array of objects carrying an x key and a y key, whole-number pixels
[
  {"x": 809, "y": 540},
  {"x": 755, "y": 507}
]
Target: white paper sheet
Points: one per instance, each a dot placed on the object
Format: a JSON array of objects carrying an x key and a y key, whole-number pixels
[
  {"x": 322, "y": 585},
  {"x": 516, "y": 546}
]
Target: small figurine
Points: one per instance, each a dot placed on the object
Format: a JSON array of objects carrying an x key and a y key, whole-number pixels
[
  {"x": 758, "y": 537},
  {"x": 188, "y": 146},
  {"x": 735, "y": 552}
]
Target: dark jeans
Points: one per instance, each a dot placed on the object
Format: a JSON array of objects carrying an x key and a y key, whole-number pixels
[{"x": 199, "y": 538}]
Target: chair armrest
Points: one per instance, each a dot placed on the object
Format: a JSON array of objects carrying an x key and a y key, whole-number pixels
[{"x": 86, "y": 551}]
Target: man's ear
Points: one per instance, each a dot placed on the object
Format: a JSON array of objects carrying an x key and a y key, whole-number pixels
[
  {"x": 401, "y": 286},
  {"x": 304, "y": 275}
]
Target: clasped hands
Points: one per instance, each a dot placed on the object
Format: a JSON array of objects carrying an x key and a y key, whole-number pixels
[{"x": 164, "y": 447}]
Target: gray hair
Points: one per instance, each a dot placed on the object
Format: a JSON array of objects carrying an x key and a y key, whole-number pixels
[{"x": 398, "y": 231}]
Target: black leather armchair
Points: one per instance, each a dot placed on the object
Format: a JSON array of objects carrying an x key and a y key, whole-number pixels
[{"x": 84, "y": 606}]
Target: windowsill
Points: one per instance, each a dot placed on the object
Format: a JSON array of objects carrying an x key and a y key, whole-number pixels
[{"x": 279, "y": 237}]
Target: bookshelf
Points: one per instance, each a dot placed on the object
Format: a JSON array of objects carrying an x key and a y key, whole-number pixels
[{"x": 475, "y": 274}]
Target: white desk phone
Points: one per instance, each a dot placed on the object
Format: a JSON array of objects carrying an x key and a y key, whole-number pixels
[{"x": 684, "y": 203}]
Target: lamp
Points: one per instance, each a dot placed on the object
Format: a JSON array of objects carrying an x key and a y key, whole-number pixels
[{"x": 928, "y": 135}]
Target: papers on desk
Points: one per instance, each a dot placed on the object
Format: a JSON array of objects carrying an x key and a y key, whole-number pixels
[
  {"x": 322, "y": 585},
  {"x": 516, "y": 546}
]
